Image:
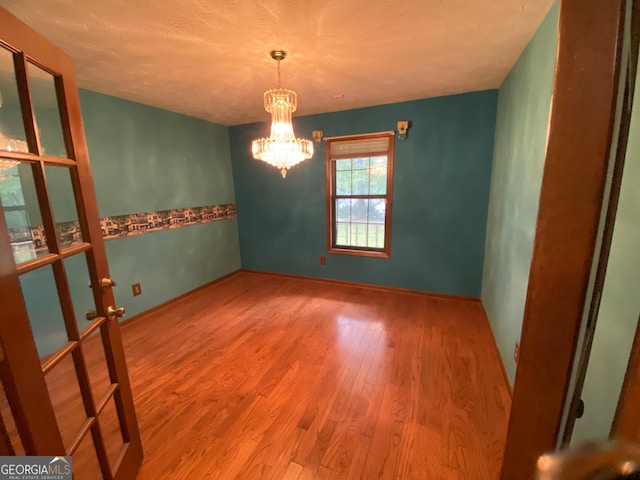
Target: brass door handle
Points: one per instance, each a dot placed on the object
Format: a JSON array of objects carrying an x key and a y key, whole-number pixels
[
  {"x": 107, "y": 282},
  {"x": 116, "y": 312},
  {"x": 605, "y": 461}
]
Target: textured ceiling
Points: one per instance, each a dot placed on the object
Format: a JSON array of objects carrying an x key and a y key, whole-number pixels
[{"x": 210, "y": 58}]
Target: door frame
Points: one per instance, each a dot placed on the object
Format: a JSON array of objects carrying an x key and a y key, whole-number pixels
[
  {"x": 608, "y": 219},
  {"x": 581, "y": 132},
  {"x": 626, "y": 422}
]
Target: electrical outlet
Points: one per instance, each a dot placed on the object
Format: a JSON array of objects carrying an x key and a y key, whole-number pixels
[
  {"x": 323, "y": 260},
  {"x": 516, "y": 353},
  {"x": 136, "y": 289}
]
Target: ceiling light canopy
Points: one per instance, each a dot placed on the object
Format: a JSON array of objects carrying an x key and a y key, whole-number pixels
[{"x": 282, "y": 149}]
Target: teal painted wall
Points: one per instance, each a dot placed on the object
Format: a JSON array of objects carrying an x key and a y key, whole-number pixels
[
  {"x": 144, "y": 159},
  {"x": 440, "y": 196},
  {"x": 518, "y": 159},
  {"x": 619, "y": 304}
]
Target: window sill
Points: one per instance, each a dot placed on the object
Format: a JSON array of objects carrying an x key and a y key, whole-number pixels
[{"x": 358, "y": 253}]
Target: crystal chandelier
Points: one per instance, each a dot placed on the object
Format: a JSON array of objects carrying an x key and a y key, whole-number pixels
[{"x": 282, "y": 149}]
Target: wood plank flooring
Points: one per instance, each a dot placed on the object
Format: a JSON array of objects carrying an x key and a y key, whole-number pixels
[
  {"x": 265, "y": 377},
  {"x": 268, "y": 377}
]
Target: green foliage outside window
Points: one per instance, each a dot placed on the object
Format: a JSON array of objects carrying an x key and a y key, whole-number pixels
[{"x": 360, "y": 221}]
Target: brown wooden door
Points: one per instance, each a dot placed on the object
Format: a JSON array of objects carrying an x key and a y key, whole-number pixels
[
  {"x": 65, "y": 380},
  {"x": 589, "y": 117}
]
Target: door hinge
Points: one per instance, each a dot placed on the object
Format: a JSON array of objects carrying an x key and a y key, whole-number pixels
[{"x": 580, "y": 409}]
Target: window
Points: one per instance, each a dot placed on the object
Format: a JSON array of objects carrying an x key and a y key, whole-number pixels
[{"x": 359, "y": 184}]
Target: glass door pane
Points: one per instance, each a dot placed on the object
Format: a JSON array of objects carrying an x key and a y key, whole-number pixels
[
  {"x": 47, "y": 112},
  {"x": 20, "y": 208},
  {"x": 12, "y": 134},
  {"x": 64, "y": 206},
  {"x": 111, "y": 432},
  {"x": 85, "y": 461},
  {"x": 66, "y": 397},
  {"x": 45, "y": 314}
]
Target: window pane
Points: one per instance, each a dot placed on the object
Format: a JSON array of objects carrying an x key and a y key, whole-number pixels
[
  {"x": 343, "y": 210},
  {"x": 360, "y": 182},
  {"x": 376, "y": 236},
  {"x": 353, "y": 235},
  {"x": 18, "y": 225},
  {"x": 85, "y": 461},
  {"x": 12, "y": 136},
  {"x": 343, "y": 164},
  {"x": 360, "y": 222},
  {"x": 377, "y": 207},
  {"x": 64, "y": 205},
  {"x": 40, "y": 295},
  {"x": 97, "y": 367},
  {"x": 378, "y": 178},
  {"x": 360, "y": 163},
  {"x": 22, "y": 213},
  {"x": 343, "y": 182},
  {"x": 379, "y": 163},
  {"x": 359, "y": 210},
  {"x": 81, "y": 294},
  {"x": 66, "y": 399},
  {"x": 358, "y": 225},
  {"x": 45, "y": 106},
  {"x": 359, "y": 234},
  {"x": 341, "y": 233},
  {"x": 112, "y": 431}
]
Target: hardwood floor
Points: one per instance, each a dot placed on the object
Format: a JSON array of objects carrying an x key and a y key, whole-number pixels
[{"x": 268, "y": 377}]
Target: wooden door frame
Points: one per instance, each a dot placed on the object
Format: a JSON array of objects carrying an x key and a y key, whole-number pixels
[
  {"x": 610, "y": 209},
  {"x": 581, "y": 129},
  {"x": 626, "y": 423}
]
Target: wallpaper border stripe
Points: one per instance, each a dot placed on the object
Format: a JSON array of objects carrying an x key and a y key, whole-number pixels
[{"x": 30, "y": 242}]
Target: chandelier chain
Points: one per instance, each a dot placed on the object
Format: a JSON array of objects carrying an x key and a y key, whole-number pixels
[{"x": 279, "y": 76}]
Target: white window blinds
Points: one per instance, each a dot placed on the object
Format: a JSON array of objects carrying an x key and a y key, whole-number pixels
[{"x": 358, "y": 147}]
